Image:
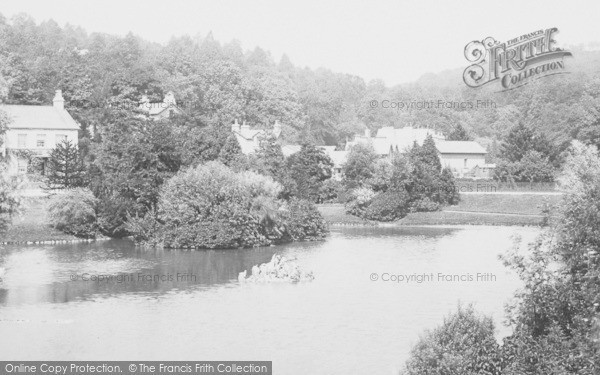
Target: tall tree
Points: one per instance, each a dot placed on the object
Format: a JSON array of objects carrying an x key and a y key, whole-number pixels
[
  {"x": 231, "y": 151},
  {"x": 428, "y": 154},
  {"x": 360, "y": 165},
  {"x": 458, "y": 133},
  {"x": 516, "y": 144},
  {"x": 65, "y": 166},
  {"x": 269, "y": 159},
  {"x": 308, "y": 169},
  {"x": 133, "y": 160}
]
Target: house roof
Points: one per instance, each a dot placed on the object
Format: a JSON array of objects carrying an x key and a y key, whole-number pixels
[
  {"x": 248, "y": 146},
  {"x": 459, "y": 147},
  {"x": 389, "y": 139},
  {"x": 290, "y": 149},
  {"x": 250, "y": 133},
  {"x": 39, "y": 117},
  {"x": 337, "y": 157},
  {"x": 156, "y": 110}
]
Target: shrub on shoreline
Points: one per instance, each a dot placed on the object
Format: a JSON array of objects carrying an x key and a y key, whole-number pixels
[
  {"x": 75, "y": 212},
  {"x": 302, "y": 221},
  {"x": 211, "y": 206},
  {"x": 388, "y": 191}
]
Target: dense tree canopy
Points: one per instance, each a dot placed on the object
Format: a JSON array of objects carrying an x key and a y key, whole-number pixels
[{"x": 218, "y": 82}]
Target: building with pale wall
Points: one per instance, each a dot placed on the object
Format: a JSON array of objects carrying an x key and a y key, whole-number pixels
[
  {"x": 249, "y": 139},
  {"x": 465, "y": 158},
  {"x": 389, "y": 140},
  {"x": 160, "y": 110},
  {"x": 36, "y": 130}
]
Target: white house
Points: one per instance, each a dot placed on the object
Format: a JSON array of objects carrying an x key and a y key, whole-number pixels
[
  {"x": 160, "y": 110},
  {"x": 36, "y": 130},
  {"x": 464, "y": 158},
  {"x": 249, "y": 139},
  {"x": 389, "y": 139}
]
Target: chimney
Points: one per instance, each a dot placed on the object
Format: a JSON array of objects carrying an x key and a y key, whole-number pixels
[
  {"x": 235, "y": 127},
  {"x": 245, "y": 128},
  {"x": 144, "y": 103},
  {"x": 59, "y": 101},
  {"x": 169, "y": 99},
  {"x": 277, "y": 129}
]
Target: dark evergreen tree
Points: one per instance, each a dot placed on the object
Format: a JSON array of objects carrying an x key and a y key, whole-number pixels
[
  {"x": 516, "y": 144},
  {"x": 447, "y": 188},
  {"x": 458, "y": 133},
  {"x": 230, "y": 152},
  {"x": 65, "y": 166},
  {"x": 307, "y": 170},
  {"x": 269, "y": 159},
  {"x": 133, "y": 160},
  {"x": 428, "y": 154}
]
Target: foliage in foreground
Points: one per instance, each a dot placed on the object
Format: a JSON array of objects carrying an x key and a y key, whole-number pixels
[
  {"x": 75, "y": 212},
  {"x": 211, "y": 206},
  {"x": 556, "y": 316},
  {"x": 463, "y": 345}
]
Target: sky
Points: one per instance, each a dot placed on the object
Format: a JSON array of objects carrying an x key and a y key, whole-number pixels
[{"x": 396, "y": 41}]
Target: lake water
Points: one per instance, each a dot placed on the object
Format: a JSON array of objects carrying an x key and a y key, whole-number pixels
[{"x": 343, "y": 322}]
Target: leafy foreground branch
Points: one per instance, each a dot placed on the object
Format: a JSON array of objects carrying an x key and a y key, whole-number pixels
[{"x": 556, "y": 316}]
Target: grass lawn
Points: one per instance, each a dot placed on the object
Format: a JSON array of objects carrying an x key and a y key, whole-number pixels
[
  {"x": 336, "y": 214},
  {"x": 32, "y": 224},
  {"x": 511, "y": 204},
  {"x": 466, "y": 218},
  {"x": 492, "y": 209}
]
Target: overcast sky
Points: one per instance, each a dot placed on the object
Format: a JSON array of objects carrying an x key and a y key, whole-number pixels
[{"x": 397, "y": 41}]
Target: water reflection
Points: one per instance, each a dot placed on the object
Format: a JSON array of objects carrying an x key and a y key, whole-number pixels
[
  {"x": 65, "y": 273},
  {"x": 342, "y": 322}
]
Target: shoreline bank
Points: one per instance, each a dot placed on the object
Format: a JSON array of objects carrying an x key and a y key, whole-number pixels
[
  {"x": 31, "y": 226},
  {"x": 473, "y": 209}
]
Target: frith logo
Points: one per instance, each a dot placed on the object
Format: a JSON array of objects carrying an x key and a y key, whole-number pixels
[{"x": 516, "y": 62}]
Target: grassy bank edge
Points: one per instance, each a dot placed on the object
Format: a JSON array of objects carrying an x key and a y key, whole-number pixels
[{"x": 518, "y": 210}]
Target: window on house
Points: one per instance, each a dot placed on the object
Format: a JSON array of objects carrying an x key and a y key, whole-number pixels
[
  {"x": 22, "y": 166},
  {"x": 41, "y": 140},
  {"x": 22, "y": 140},
  {"x": 60, "y": 138}
]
